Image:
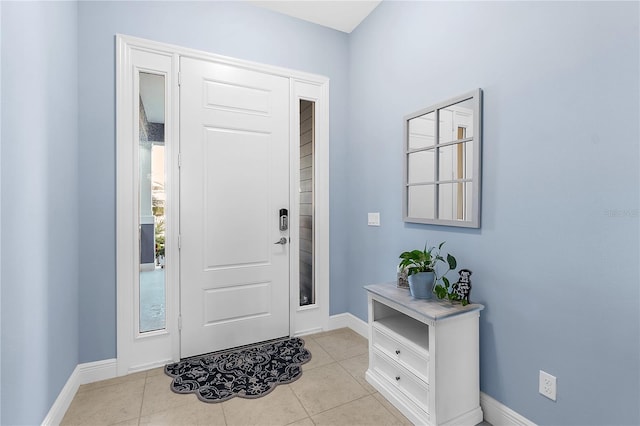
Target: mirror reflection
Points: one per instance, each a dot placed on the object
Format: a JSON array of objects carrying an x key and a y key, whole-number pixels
[
  {"x": 422, "y": 131},
  {"x": 455, "y": 161},
  {"x": 456, "y": 121},
  {"x": 417, "y": 206},
  {"x": 454, "y": 200},
  {"x": 442, "y": 163},
  {"x": 422, "y": 166},
  {"x": 151, "y": 196}
]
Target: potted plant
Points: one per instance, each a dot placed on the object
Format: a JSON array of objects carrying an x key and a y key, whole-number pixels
[{"x": 421, "y": 270}]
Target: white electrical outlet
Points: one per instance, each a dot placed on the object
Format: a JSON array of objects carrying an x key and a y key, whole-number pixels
[
  {"x": 373, "y": 219},
  {"x": 547, "y": 385}
]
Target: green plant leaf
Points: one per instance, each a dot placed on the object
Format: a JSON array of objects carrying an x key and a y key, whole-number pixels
[
  {"x": 425, "y": 260},
  {"x": 446, "y": 281},
  {"x": 452, "y": 262}
]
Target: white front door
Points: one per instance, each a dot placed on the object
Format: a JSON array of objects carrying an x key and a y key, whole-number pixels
[{"x": 234, "y": 180}]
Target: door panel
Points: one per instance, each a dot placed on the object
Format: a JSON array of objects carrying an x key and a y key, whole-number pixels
[
  {"x": 234, "y": 179},
  {"x": 238, "y": 302},
  {"x": 235, "y": 171}
]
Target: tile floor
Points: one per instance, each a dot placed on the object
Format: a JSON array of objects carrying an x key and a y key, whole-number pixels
[{"x": 331, "y": 391}]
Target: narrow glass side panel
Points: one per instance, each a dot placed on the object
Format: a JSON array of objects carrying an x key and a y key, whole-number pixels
[
  {"x": 152, "y": 289},
  {"x": 307, "y": 148}
]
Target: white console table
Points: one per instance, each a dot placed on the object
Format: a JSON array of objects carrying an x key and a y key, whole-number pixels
[{"x": 423, "y": 356}]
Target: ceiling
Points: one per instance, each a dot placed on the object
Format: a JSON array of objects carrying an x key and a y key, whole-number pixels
[{"x": 340, "y": 15}]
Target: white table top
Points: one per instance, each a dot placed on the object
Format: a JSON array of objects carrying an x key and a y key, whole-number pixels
[{"x": 433, "y": 309}]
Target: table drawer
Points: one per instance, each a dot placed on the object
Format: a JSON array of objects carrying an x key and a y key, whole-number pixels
[
  {"x": 409, "y": 384},
  {"x": 414, "y": 360}
]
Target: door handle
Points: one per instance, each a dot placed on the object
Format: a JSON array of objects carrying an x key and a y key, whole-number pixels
[{"x": 283, "y": 241}]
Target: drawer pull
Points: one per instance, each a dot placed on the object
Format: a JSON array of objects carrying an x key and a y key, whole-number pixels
[
  {"x": 397, "y": 351},
  {"x": 398, "y": 378}
]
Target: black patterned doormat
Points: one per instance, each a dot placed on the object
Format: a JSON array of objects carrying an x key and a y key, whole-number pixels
[{"x": 247, "y": 372}]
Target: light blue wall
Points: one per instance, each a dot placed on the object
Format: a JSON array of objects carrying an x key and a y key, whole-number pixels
[
  {"x": 0, "y": 212},
  {"x": 556, "y": 259},
  {"x": 234, "y": 29},
  {"x": 39, "y": 206}
]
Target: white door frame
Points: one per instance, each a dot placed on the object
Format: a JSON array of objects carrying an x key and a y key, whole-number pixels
[
  {"x": 141, "y": 351},
  {"x": 311, "y": 318},
  {"x": 137, "y": 352}
]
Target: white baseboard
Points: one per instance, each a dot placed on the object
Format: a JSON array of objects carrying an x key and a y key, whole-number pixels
[
  {"x": 62, "y": 402},
  {"x": 100, "y": 370},
  {"x": 308, "y": 331},
  {"x": 500, "y": 415},
  {"x": 145, "y": 367},
  {"x": 350, "y": 321},
  {"x": 82, "y": 374},
  {"x": 494, "y": 412}
]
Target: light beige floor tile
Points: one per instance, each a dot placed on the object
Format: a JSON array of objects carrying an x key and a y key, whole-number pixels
[
  {"x": 130, "y": 422},
  {"x": 280, "y": 407},
  {"x": 156, "y": 372},
  {"x": 319, "y": 356},
  {"x": 328, "y": 390},
  {"x": 106, "y": 405},
  {"x": 327, "y": 333},
  {"x": 304, "y": 422},
  {"x": 195, "y": 412},
  {"x": 158, "y": 396},
  {"x": 115, "y": 381},
  {"x": 357, "y": 367},
  {"x": 344, "y": 344},
  {"x": 326, "y": 387},
  {"x": 364, "y": 411},
  {"x": 393, "y": 410}
]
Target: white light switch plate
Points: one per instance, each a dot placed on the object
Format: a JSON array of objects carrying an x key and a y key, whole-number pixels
[{"x": 374, "y": 219}]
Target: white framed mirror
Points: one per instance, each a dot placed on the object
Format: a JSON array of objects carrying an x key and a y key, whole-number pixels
[{"x": 442, "y": 162}]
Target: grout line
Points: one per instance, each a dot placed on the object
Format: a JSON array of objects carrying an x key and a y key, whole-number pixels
[
  {"x": 331, "y": 356},
  {"x": 343, "y": 359},
  {"x": 348, "y": 402},
  {"x": 300, "y": 402},
  {"x": 224, "y": 416},
  {"x": 345, "y": 403},
  {"x": 403, "y": 420},
  {"x": 317, "y": 366},
  {"x": 144, "y": 392},
  {"x": 354, "y": 356}
]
